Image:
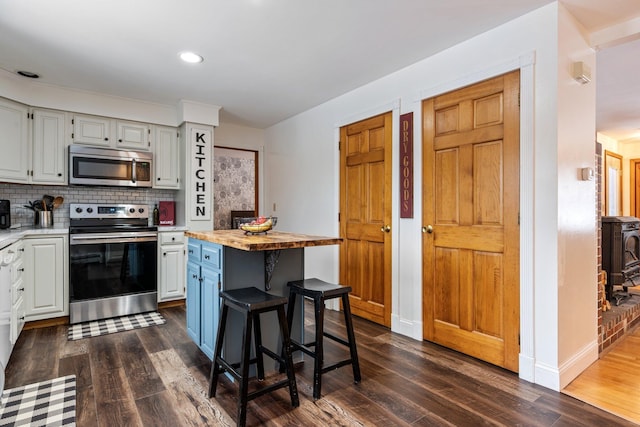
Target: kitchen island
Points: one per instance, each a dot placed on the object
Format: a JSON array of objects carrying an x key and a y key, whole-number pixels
[{"x": 230, "y": 259}]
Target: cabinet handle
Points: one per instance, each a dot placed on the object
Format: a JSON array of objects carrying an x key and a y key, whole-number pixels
[
  {"x": 158, "y": 178},
  {"x": 21, "y": 250},
  {"x": 173, "y": 239},
  {"x": 22, "y": 318},
  {"x": 164, "y": 254},
  {"x": 21, "y": 269},
  {"x": 194, "y": 276},
  {"x": 206, "y": 257},
  {"x": 190, "y": 251},
  {"x": 119, "y": 140},
  {"x": 106, "y": 139},
  {"x": 59, "y": 174},
  {"x": 21, "y": 289}
]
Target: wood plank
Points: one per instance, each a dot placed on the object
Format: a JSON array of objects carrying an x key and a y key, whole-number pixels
[
  {"x": 141, "y": 375},
  {"x": 404, "y": 382},
  {"x": 273, "y": 240},
  {"x": 114, "y": 401}
]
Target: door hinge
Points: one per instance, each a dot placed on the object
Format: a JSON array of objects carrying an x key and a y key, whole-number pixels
[
  {"x": 518, "y": 99},
  {"x": 338, "y": 216},
  {"x": 72, "y": 121},
  {"x": 72, "y": 135},
  {"x": 518, "y": 218},
  {"x": 339, "y": 145}
]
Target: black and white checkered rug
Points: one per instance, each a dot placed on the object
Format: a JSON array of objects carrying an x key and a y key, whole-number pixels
[
  {"x": 116, "y": 324},
  {"x": 48, "y": 403}
]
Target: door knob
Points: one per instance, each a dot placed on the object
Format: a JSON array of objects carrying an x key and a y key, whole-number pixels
[
  {"x": 385, "y": 228},
  {"x": 427, "y": 229}
]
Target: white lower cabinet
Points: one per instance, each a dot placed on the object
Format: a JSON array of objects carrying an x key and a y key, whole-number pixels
[
  {"x": 46, "y": 277},
  {"x": 171, "y": 265}
]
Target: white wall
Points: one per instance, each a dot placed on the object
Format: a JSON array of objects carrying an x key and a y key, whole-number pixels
[
  {"x": 303, "y": 178},
  {"x": 234, "y": 136},
  {"x": 577, "y": 220}
]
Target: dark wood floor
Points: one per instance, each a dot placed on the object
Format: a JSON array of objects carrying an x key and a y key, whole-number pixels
[{"x": 157, "y": 377}]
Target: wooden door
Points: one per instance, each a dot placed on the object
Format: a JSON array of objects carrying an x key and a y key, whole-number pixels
[
  {"x": 612, "y": 184},
  {"x": 635, "y": 188},
  {"x": 470, "y": 217},
  {"x": 365, "y": 216}
]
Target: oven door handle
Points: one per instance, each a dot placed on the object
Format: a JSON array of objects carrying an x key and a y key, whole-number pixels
[{"x": 91, "y": 238}]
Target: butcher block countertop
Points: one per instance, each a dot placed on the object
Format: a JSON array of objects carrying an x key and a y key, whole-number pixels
[{"x": 273, "y": 240}]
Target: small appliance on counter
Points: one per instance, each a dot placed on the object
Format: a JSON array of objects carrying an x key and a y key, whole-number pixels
[{"x": 5, "y": 214}]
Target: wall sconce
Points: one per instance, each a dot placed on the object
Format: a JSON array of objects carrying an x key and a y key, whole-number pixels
[{"x": 581, "y": 72}]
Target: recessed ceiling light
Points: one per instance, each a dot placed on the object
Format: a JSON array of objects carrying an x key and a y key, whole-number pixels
[
  {"x": 28, "y": 74},
  {"x": 191, "y": 57}
]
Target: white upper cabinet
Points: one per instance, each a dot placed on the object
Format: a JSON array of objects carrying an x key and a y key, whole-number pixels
[
  {"x": 166, "y": 158},
  {"x": 14, "y": 141},
  {"x": 32, "y": 145},
  {"x": 48, "y": 151},
  {"x": 91, "y": 130},
  {"x": 133, "y": 135},
  {"x": 111, "y": 133}
]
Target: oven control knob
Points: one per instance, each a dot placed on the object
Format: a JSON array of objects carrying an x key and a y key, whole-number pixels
[
  {"x": 141, "y": 210},
  {"x": 89, "y": 210},
  {"x": 78, "y": 210},
  {"x": 132, "y": 210}
]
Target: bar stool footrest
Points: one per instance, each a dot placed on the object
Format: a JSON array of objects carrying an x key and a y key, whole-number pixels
[
  {"x": 336, "y": 365},
  {"x": 268, "y": 389},
  {"x": 337, "y": 339}
]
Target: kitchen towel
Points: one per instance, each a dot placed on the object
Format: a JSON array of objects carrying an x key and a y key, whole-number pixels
[
  {"x": 48, "y": 403},
  {"x": 116, "y": 324}
]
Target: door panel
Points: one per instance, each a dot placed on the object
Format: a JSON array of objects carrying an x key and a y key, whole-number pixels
[
  {"x": 365, "y": 212},
  {"x": 471, "y": 201}
]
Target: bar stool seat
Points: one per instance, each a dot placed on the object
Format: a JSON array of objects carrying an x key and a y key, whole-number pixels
[
  {"x": 320, "y": 291},
  {"x": 252, "y": 302}
]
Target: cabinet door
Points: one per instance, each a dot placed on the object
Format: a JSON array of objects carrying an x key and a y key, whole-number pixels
[
  {"x": 17, "y": 320},
  {"x": 91, "y": 130},
  {"x": 193, "y": 301},
  {"x": 209, "y": 309},
  {"x": 48, "y": 153},
  {"x": 167, "y": 158},
  {"x": 44, "y": 277},
  {"x": 14, "y": 142},
  {"x": 133, "y": 135},
  {"x": 171, "y": 274}
]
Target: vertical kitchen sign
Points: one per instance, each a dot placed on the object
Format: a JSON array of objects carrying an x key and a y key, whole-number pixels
[
  {"x": 201, "y": 142},
  {"x": 406, "y": 165}
]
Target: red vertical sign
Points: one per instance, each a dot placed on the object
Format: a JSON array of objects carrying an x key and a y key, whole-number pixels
[{"x": 406, "y": 165}]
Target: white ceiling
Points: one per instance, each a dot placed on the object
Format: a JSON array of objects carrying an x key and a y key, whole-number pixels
[{"x": 267, "y": 60}]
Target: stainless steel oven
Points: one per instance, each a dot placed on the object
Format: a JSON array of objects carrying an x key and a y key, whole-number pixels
[{"x": 112, "y": 261}]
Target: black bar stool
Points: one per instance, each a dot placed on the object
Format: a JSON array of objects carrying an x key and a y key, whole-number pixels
[
  {"x": 321, "y": 291},
  {"x": 252, "y": 302}
]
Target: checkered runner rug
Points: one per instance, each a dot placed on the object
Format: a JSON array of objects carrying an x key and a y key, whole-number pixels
[
  {"x": 48, "y": 403},
  {"x": 116, "y": 324}
]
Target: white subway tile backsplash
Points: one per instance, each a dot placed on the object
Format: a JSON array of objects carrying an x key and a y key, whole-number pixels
[{"x": 19, "y": 195}]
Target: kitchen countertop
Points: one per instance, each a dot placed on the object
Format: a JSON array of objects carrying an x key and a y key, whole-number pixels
[
  {"x": 12, "y": 235},
  {"x": 273, "y": 240}
]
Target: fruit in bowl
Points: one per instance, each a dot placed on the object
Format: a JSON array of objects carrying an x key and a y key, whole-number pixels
[{"x": 259, "y": 225}]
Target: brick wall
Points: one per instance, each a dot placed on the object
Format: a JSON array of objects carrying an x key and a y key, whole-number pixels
[{"x": 616, "y": 321}]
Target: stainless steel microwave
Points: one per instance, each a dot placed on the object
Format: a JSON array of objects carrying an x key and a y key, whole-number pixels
[{"x": 102, "y": 166}]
